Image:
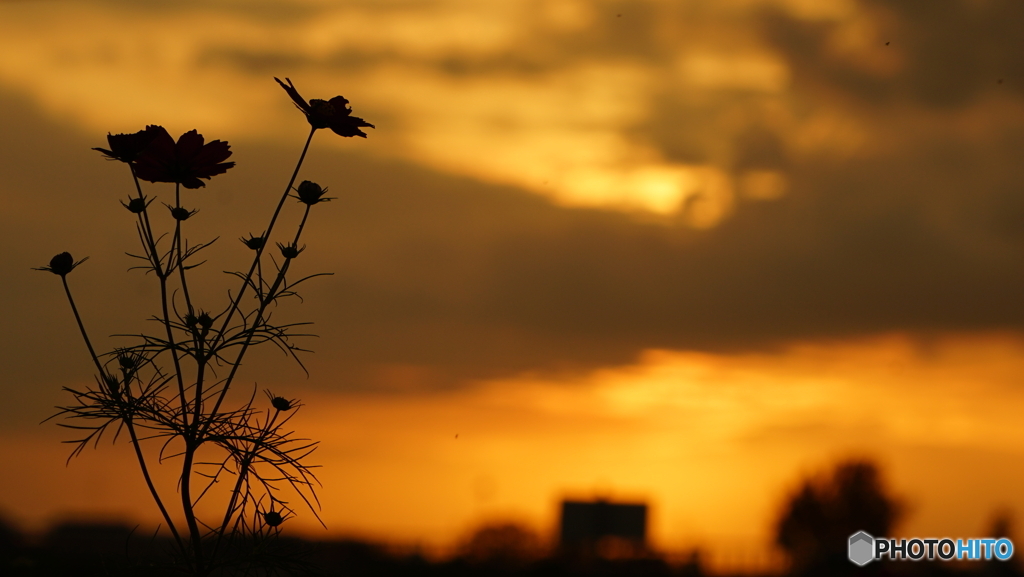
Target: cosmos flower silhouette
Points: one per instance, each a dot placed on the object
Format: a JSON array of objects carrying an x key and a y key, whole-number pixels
[
  {"x": 334, "y": 113},
  {"x": 127, "y": 147},
  {"x": 184, "y": 162}
]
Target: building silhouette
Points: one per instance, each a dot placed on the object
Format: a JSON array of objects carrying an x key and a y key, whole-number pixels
[{"x": 603, "y": 529}]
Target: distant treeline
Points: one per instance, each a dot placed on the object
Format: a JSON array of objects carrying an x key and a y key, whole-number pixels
[{"x": 815, "y": 521}]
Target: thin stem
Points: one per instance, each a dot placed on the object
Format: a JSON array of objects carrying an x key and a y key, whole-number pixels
[
  {"x": 242, "y": 474},
  {"x": 128, "y": 421},
  {"x": 147, "y": 228},
  {"x": 191, "y": 441},
  {"x": 181, "y": 260},
  {"x": 248, "y": 278},
  {"x": 302, "y": 225},
  {"x": 257, "y": 320},
  {"x": 200, "y": 377},
  {"x": 161, "y": 274},
  {"x": 259, "y": 277},
  {"x": 81, "y": 327},
  {"x": 187, "y": 506},
  {"x": 174, "y": 353},
  {"x": 194, "y": 535},
  {"x": 149, "y": 483},
  {"x": 266, "y": 241}
]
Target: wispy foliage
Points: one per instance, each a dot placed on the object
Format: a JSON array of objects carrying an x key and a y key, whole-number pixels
[{"x": 168, "y": 391}]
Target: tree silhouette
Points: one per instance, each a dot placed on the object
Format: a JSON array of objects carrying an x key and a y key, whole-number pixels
[
  {"x": 1001, "y": 526},
  {"x": 820, "y": 516},
  {"x": 508, "y": 545}
]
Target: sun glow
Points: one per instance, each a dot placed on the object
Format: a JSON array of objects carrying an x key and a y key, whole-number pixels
[
  {"x": 712, "y": 442},
  {"x": 565, "y": 132}
]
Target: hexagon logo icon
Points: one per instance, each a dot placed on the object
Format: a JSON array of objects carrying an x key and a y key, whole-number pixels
[{"x": 861, "y": 548}]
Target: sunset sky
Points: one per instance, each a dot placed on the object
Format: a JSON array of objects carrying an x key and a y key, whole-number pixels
[{"x": 678, "y": 251}]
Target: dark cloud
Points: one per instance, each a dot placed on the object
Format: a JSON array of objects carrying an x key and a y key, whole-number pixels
[
  {"x": 619, "y": 30},
  {"x": 953, "y": 50},
  {"x": 484, "y": 280},
  {"x": 273, "y": 11},
  {"x": 474, "y": 280},
  {"x": 439, "y": 278}
]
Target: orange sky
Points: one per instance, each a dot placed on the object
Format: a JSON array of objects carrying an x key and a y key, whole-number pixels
[
  {"x": 711, "y": 442},
  {"x": 684, "y": 252}
]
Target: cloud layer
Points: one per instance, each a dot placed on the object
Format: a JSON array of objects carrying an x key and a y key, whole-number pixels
[{"x": 840, "y": 186}]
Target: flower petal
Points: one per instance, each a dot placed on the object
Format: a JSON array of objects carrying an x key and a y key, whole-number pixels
[
  {"x": 340, "y": 104},
  {"x": 127, "y": 147},
  {"x": 212, "y": 153},
  {"x": 349, "y": 126},
  {"x": 294, "y": 94},
  {"x": 189, "y": 145},
  {"x": 210, "y": 170},
  {"x": 156, "y": 161},
  {"x": 192, "y": 182}
]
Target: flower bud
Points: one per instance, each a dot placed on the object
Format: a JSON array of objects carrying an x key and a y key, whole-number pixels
[
  {"x": 199, "y": 325},
  {"x": 135, "y": 205},
  {"x": 127, "y": 361},
  {"x": 113, "y": 384},
  {"x": 290, "y": 251},
  {"x": 281, "y": 404},
  {"x": 311, "y": 193},
  {"x": 254, "y": 242},
  {"x": 181, "y": 214},
  {"x": 273, "y": 518},
  {"x": 62, "y": 264},
  {"x": 205, "y": 320}
]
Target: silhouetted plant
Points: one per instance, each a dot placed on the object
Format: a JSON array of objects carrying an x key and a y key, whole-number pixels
[
  {"x": 167, "y": 387},
  {"x": 820, "y": 516},
  {"x": 505, "y": 545}
]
